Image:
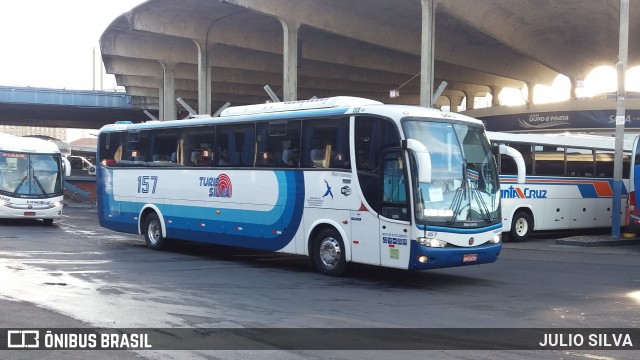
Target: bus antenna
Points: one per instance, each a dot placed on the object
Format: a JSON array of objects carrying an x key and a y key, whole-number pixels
[
  {"x": 187, "y": 107},
  {"x": 438, "y": 92},
  {"x": 150, "y": 115},
  {"x": 221, "y": 109},
  {"x": 272, "y": 95}
]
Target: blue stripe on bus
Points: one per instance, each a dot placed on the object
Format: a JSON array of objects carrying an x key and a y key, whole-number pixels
[
  {"x": 266, "y": 230},
  {"x": 586, "y": 186},
  {"x": 459, "y": 231}
]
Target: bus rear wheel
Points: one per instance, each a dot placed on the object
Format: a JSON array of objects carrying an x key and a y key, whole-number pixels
[
  {"x": 153, "y": 232},
  {"x": 328, "y": 253},
  {"x": 521, "y": 227}
]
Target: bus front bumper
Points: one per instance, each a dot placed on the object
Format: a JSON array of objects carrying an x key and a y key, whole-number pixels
[
  {"x": 423, "y": 257},
  {"x": 25, "y": 211}
]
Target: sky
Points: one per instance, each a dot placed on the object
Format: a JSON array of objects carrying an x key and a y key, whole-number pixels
[{"x": 50, "y": 43}]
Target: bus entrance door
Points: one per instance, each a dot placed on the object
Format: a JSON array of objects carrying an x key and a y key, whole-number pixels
[
  {"x": 365, "y": 235},
  {"x": 395, "y": 243}
]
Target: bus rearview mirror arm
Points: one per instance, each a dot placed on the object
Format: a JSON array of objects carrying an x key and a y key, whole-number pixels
[
  {"x": 66, "y": 165},
  {"x": 517, "y": 157},
  {"x": 423, "y": 157}
]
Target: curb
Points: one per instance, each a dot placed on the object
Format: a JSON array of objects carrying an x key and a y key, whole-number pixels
[{"x": 594, "y": 241}]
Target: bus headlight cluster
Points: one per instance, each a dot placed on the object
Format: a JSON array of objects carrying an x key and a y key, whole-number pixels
[
  {"x": 57, "y": 203},
  {"x": 496, "y": 239},
  {"x": 432, "y": 242}
]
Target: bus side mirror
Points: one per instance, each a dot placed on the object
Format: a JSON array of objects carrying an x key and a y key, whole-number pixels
[
  {"x": 517, "y": 157},
  {"x": 66, "y": 166},
  {"x": 423, "y": 158}
]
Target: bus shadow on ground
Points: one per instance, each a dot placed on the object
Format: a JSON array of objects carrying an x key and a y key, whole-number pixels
[
  {"x": 24, "y": 222},
  {"x": 560, "y": 234},
  {"x": 357, "y": 274}
]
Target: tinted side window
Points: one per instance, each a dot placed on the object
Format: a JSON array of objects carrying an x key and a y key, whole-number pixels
[
  {"x": 325, "y": 143},
  {"x": 111, "y": 148},
  {"x": 372, "y": 135},
  {"x": 508, "y": 165},
  {"x": 197, "y": 146},
  {"x": 164, "y": 147},
  {"x": 549, "y": 160},
  {"x": 235, "y": 145},
  {"x": 580, "y": 162},
  {"x": 278, "y": 144}
]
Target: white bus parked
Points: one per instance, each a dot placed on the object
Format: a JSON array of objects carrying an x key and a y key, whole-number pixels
[
  {"x": 569, "y": 182},
  {"x": 31, "y": 178},
  {"x": 339, "y": 179}
]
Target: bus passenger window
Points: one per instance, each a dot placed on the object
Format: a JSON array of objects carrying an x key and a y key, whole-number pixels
[
  {"x": 549, "y": 160},
  {"x": 325, "y": 143},
  {"x": 224, "y": 158}
]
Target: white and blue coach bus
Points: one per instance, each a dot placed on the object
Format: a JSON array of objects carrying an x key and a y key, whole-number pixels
[
  {"x": 569, "y": 182},
  {"x": 31, "y": 179},
  {"x": 339, "y": 179}
]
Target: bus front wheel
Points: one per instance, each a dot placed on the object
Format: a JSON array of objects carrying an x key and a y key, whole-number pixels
[
  {"x": 521, "y": 227},
  {"x": 48, "y": 222},
  {"x": 328, "y": 253},
  {"x": 153, "y": 232}
]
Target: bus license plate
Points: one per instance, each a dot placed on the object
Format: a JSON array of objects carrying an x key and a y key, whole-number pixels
[
  {"x": 29, "y": 213},
  {"x": 469, "y": 257}
]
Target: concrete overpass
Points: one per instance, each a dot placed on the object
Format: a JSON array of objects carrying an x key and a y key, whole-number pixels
[
  {"x": 212, "y": 51},
  {"x": 65, "y": 108}
]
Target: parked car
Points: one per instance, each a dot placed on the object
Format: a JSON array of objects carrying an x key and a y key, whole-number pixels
[{"x": 81, "y": 166}]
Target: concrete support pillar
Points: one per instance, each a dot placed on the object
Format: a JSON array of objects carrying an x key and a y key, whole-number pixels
[
  {"x": 454, "y": 101},
  {"x": 290, "y": 59},
  {"x": 204, "y": 78},
  {"x": 530, "y": 87},
  {"x": 169, "y": 96},
  {"x": 161, "y": 101},
  {"x": 427, "y": 51},
  {"x": 471, "y": 100},
  {"x": 495, "y": 94},
  {"x": 574, "y": 88}
]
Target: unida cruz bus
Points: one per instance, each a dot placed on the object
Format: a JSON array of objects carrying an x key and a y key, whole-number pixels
[{"x": 569, "y": 182}]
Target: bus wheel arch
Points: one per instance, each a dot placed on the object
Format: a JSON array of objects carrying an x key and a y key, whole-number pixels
[
  {"x": 153, "y": 229},
  {"x": 326, "y": 247},
  {"x": 522, "y": 224}
]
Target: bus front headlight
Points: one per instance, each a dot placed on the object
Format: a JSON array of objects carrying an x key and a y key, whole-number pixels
[
  {"x": 496, "y": 239},
  {"x": 432, "y": 242},
  {"x": 57, "y": 203}
]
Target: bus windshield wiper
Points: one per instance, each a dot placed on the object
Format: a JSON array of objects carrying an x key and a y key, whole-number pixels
[
  {"x": 20, "y": 185},
  {"x": 476, "y": 193},
  {"x": 456, "y": 203},
  {"x": 44, "y": 192}
]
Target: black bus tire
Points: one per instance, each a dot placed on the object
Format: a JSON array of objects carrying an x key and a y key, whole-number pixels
[
  {"x": 152, "y": 230},
  {"x": 328, "y": 253},
  {"x": 521, "y": 226}
]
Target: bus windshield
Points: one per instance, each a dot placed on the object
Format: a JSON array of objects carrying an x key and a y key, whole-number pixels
[
  {"x": 463, "y": 186},
  {"x": 29, "y": 174}
]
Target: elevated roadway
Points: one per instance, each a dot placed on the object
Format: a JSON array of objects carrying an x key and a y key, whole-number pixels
[{"x": 65, "y": 108}]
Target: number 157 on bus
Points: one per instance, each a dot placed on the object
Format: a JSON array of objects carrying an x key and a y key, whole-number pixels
[{"x": 146, "y": 182}]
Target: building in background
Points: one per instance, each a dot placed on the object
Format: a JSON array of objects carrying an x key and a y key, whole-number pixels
[{"x": 57, "y": 133}]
